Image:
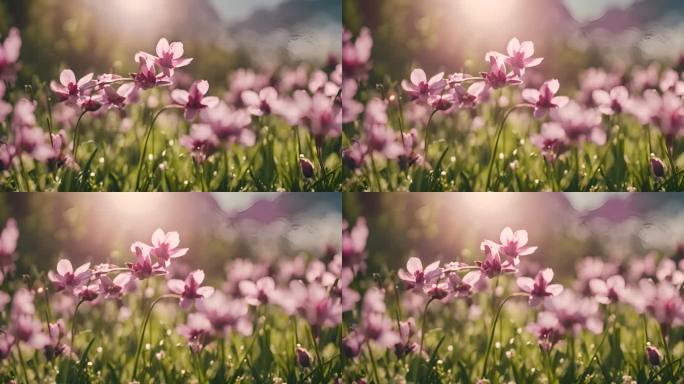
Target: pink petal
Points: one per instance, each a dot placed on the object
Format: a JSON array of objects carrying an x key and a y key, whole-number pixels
[
  {"x": 414, "y": 265},
  {"x": 248, "y": 288},
  {"x": 198, "y": 276},
  {"x": 560, "y": 101},
  {"x": 176, "y": 286},
  {"x": 67, "y": 77},
  {"x": 553, "y": 85},
  {"x": 405, "y": 276},
  {"x": 598, "y": 287},
  {"x": 202, "y": 86},
  {"x": 250, "y": 98},
  {"x": 527, "y": 48},
  {"x": 185, "y": 303},
  {"x": 547, "y": 274},
  {"x": 190, "y": 114},
  {"x": 409, "y": 87},
  {"x": 55, "y": 278},
  {"x": 506, "y": 235},
  {"x": 521, "y": 236},
  {"x": 180, "y": 96},
  {"x": 179, "y": 252},
  {"x": 513, "y": 46},
  {"x": 434, "y": 80},
  {"x": 205, "y": 291},
  {"x": 525, "y": 251},
  {"x": 64, "y": 267},
  {"x": 418, "y": 76},
  {"x": 85, "y": 79},
  {"x": 211, "y": 101},
  {"x": 172, "y": 239},
  {"x": 162, "y": 47},
  {"x": 525, "y": 283},
  {"x": 176, "y": 49},
  {"x": 554, "y": 289},
  {"x": 529, "y": 63},
  {"x": 531, "y": 95},
  {"x": 182, "y": 62},
  {"x": 432, "y": 267},
  {"x": 83, "y": 268},
  {"x": 158, "y": 236}
]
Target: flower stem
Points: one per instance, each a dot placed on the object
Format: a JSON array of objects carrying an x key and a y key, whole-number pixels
[
  {"x": 427, "y": 136},
  {"x": 23, "y": 364},
  {"x": 147, "y": 139},
  {"x": 138, "y": 349},
  {"x": 499, "y": 131},
  {"x": 73, "y": 322},
  {"x": 375, "y": 367},
  {"x": 668, "y": 356},
  {"x": 77, "y": 134},
  {"x": 491, "y": 333},
  {"x": 422, "y": 327}
]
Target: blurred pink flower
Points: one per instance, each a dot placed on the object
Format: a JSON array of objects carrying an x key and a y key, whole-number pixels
[
  {"x": 115, "y": 288},
  {"x": 545, "y": 98},
  {"x": 539, "y": 287},
  {"x": 407, "y": 330},
  {"x": 201, "y": 143},
  {"x": 55, "y": 347},
  {"x": 8, "y": 244},
  {"x": 351, "y": 108},
  {"x": 375, "y": 325},
  {"x": 190, "y": 289},
  {"x": 259, "y": 292},
  {"x": 520, "y": 56},
  {"x": 492, "y": 265},
  {"x": 552, "y": 141},
  {"x": 322, "y": 116},
  {"x": 197, "y": 331},
  {"x": 146, "y": 77},
  {"x": 66, "y": 278},
  {"x": 613, "y": 102},
  {"x": 6, "y": 343},
  {"x": 5, "y": 107},
  {"x": 230, "y": 125},
  {"x": 608, "y": 291},
  {"x": 420, "y": 88},
  {"x": 194, "y": 100},
  {"x": 9, "y": 55},
  {"x": 24, "y": 325},
  {"x": 574, "y": 313},
  {"x": 356, "y": 55},
  {"x": 353, "y": 156},
  {"x": 653, "y": 355},
  {"x": 259, "y": 104},
  {"x": 354, "y": 243},
  {"x": 416, "y": 277},
  {"x": 462, "y": 286},
  {"x": 69, "y": 88},
  {"x": 547, "y": 330},
  {"x": 226, "y": 315}
]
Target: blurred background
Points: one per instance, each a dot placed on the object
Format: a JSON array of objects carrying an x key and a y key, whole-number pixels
[
  {"x": 565, "y": 226},
  {"x": 100, "y": 36},
  {"x": 454, "y": 35},
  {"x": 100, "y": 227}
]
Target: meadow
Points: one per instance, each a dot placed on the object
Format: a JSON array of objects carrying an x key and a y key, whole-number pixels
[
  {"x": 158, "y": 129},
  {"x": 154, "y": 319},
  {"x": 498, "y": 124},
  {"x": 502, "y": 318}
]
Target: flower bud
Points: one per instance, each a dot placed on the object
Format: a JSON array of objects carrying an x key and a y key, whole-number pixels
[
  {"x": 653, "y": 355},
  {"x": 657, "y": 166},
  {"x": 307, "y": 167},
  {"x": 303, "y": 357}
]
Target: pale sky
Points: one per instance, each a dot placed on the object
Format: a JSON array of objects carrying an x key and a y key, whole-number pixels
[
  {"x": 585, "y": 10},
  {"x": 239, "y": 9}
]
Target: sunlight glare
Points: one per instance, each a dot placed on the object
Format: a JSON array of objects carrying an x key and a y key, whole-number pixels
[{"x": 483, "y": 13}]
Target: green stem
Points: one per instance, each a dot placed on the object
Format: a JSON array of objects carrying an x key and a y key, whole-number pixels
[
  {"x": 23, "y": 364},
  {"x": 422, "y": 327},
  {"x": 73, "y": 322},
  {"x": 77, "y": 135},
  {"x": 593, "y": 356},
  {"x": 147, "y": 139},
  {"x": 375, "y": 367},
  {"x": 499, "y": 131},
  {"x": 427, "y": 136},
  {"x": 375, "y": 172},
  {"x": 491, "y": 333},
  {"x": 138, "y": 349},
  {"x": 668, "y": 356}
]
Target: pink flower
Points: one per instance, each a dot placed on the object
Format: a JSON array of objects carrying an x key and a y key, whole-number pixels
[
  {"x": 322, "y": 116},
  {"x": 143, "y": 266},
  {"x": 547, "y": 329},
  {"x": 313, "y": 302},
  {"x": 513, "y": 245},
  {"x": 356, "y": 55},
  {"x": 416, "y": 277},
  {"x": 194, "y": 100},
  {"x": 55, "y": 347},
  {"x": 70, "y": 89},
  {"x": 202, "y": 142},
  {"x": 492, "y": 265},
  {"x": 190, "y": 289},
  {"x": 115, "y": 288},
  {"x": 613, "y": 102},
  {"x": 66, "y": 278},
  {"x": 575, "y": 314},
  {"x": 258, "y": 293},
  {"x": 407, "y": 329},
  {"x": 539, "y": 288},
  {"x": 9, "y": 55},
  {"x": 165, "y": 246},
  {"x": 197, "y": 331},
  {"x": 5, "y": 107},
  {"x": 259, "y": 104},
  {"x": 462, "y": 287},
  {"x": 420, "y": 88},
  {"x": 230, "y": 125},
  {"x": 6, "y": 343},
  {"x": 24, "y": 326},
  {"x": 354, "y": 243},
  {"x": 552, "y": 141},
  {"x": 609, "y": 291},
  {"x": 8, "y": 244},
  {"x": 226, "y": 315},
  {"x": 653, "y": 355},
  {"x": 544, "y": 99},
  {"x": 520, "y": 56},
  {"x": 498, "y": 76},
  {"x": 170, "y": 56},
  {"x": 147, "y": 77},
  {"x": 375, "y": 325}
]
